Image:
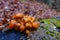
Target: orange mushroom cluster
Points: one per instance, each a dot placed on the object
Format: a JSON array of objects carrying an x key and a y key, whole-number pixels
[{"x": 23, "y": 23}]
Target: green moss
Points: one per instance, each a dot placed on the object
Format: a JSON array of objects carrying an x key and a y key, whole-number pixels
[
  {"x": 49, "y": 25},
  {"x": 52, "y": 34},
  {"x": 47, "y": 32}
]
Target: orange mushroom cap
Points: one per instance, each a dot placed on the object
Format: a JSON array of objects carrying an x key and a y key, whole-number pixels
[
  {"x": 18, "y": 15},
  {"x": 35, "y": 24},
  {"x": 22, "y": 28},
  {"x": 12, "y": 24}
]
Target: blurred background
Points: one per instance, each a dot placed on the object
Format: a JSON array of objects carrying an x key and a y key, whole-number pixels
[{"x": 52, "y": 3}]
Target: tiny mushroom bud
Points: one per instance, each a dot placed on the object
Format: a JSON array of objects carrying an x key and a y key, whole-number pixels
[{"x": 27, "y": 32}]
